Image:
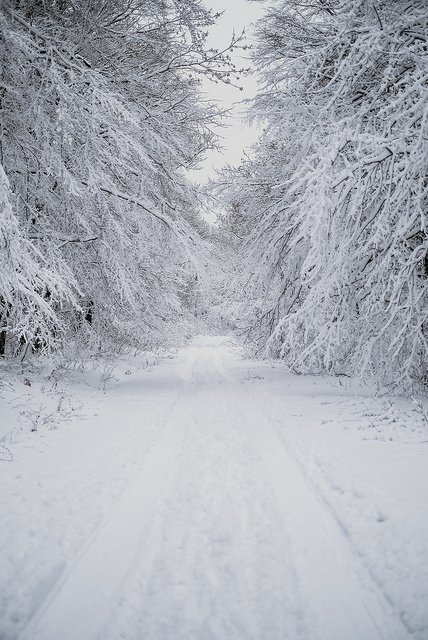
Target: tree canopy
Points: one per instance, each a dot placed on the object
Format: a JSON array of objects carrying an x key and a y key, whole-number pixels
[
  {"x": 332, "y": 202},
  {"x": 101, "y": 116}
]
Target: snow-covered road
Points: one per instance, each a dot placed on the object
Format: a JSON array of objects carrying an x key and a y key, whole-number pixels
[{"x": 242, "y": 505}]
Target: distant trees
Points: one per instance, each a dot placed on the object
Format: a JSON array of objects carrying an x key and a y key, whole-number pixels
[
  {"x": 333, "y": 203},
  {"x": 100, "y": 117}
]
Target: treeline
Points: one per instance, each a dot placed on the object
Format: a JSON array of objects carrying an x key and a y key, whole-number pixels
[
  {"x": 330, "y": 211},
  {"x": 100, "y": 118}
]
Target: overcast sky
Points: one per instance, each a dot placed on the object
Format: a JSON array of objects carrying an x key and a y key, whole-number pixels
[{"x": 238, "y": 14}]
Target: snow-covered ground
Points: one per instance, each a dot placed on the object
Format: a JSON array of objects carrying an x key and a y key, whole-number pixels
[{"x": 214, "y": 497}]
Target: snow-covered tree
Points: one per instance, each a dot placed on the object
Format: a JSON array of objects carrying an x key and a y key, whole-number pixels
[
  {"x": 100, "y": 116},
  {"x": 335, "y": 196}
]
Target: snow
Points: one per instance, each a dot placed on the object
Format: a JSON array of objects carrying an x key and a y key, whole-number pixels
[{"x": 216, "y": 497}]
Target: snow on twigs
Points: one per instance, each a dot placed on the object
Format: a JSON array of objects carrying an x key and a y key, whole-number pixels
[{"x": 332, "y": 203}]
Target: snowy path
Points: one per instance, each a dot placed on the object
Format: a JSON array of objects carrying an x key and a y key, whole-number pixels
[{"x": 222, "y": 530}]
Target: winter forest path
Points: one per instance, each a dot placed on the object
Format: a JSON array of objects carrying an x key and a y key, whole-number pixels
[{"x": 223, "y": 531}]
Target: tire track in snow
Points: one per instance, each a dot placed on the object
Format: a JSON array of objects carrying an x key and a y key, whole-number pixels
[
  {"x": 220, "y": 570},
  {"x": 79, "y": 601},
  {"x": 341, "y": 601},
  {"x": 390, "y": 623}
]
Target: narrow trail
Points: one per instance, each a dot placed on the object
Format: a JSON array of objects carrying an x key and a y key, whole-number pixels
[{"x": 219, "y": 536}]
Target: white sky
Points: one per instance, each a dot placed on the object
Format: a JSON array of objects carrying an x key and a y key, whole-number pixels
[{"x": 238, "y": 15}]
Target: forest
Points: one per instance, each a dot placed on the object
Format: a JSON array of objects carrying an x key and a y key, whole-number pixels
[
  {"x": 213, "y": 394},
  {"x": 323, "y": 226}
]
